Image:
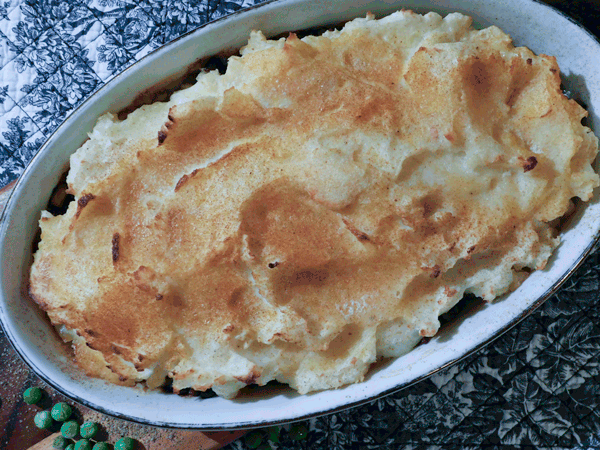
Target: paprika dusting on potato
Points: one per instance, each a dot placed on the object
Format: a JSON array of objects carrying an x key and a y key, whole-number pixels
[{"x": 314, "y": 208}]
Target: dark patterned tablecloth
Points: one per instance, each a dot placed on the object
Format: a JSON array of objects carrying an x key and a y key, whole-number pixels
[{"x": 538, "y": 386}]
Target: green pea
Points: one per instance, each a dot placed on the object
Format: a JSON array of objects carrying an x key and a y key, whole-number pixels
[
  {"x": 32, "y": 395},
  {"x": 88, "y": 430},
  {"x": 273, "y": 434},
  {"x": 70, "y": 447},
  {"x": 59, "y": 442},
  {"x": 125, "y": 443},
  {"x": 43, "y": 420},
  {"x": 253, "y": 439},
  {"x": 83, "y": 444},
  {"x": 298, "y": 432},
  {"x": 101, "y": 446},
  {"x": 70, "y": 429},
  {"x": 61, "y": 412}
]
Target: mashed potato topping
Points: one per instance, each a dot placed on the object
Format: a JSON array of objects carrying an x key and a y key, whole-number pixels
[{"x": 316, "y": 207}]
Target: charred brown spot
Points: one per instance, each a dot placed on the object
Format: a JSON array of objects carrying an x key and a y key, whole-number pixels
[
  {"x": 90, "y": 346},
  {"x": 90, "y": 332},
  {"x": 115, "y": 349},
  {"x": 281, "y": 336},
  {"x": 228, "y": 329},
  {"x": 122, "y": 378},
  {"x": 435, "y": 271},
  {"x": 115, "y": 247},
  {"x": 181, "y": 182},
  {"x": 529, "y": 61},
  {"x": 250, "y": 378},
  {"x": 273, "y": 265},
  {"x": 161, "y": 136},
  {"x": 360, "y": 235},
  {"x": 184, "y": 180},
  {"x": 159, "y": 297},
  {"x": 530, "y": 164},
  {"x": 141, "y": 357},
  {"x": 471, "y": 249},
  {"x": 553, "y": 70},
  {"x": 83, "y": 201},
  {"x": 171, "y": 117}
]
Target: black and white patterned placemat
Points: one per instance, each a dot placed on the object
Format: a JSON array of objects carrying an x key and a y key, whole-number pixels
[{"x": 538, "y": 386}]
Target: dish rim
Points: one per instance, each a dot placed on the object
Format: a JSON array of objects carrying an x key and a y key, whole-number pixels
[{"x": 229, "y": 426}]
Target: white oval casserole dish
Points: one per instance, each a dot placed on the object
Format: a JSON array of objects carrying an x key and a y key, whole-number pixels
[{"x": 530, "y": 24}]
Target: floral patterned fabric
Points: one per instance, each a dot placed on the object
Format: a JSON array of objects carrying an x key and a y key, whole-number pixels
[{"x": 538, "y": 386}]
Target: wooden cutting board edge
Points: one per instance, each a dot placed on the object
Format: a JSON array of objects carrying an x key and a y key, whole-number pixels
[{"x": 184, "y": 440}]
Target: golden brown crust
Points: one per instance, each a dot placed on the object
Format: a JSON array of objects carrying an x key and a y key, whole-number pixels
[{"x": 324, "y": 195}]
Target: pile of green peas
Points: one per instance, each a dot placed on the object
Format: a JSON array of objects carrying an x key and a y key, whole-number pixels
[
  {"x": 70, "y": 429},
  {"x": 61, "y": 412}
]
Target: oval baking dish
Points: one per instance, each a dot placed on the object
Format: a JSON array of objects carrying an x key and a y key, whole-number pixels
[{"x": 530, "y": 24}]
